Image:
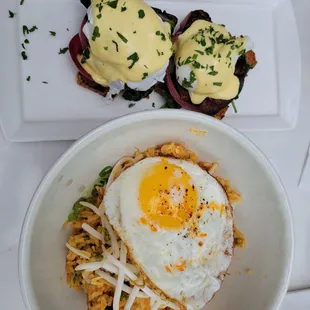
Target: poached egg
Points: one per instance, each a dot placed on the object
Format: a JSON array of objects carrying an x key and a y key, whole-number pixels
[
  {"x": 206, "y": 55},
  {"x": 128, "y": 44}
]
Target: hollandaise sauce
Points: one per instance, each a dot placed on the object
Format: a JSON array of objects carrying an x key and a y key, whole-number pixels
[
  {"x": 206, "y": 54},
  {"x": 127, "y": 41}
]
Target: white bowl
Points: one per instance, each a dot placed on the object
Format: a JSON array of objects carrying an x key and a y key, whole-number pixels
[{"x": 263, "y": 216}]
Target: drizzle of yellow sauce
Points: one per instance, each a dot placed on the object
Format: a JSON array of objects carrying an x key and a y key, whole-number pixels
[
  {"x": 131, "y": 42},
  {"x": 211, "y": 60},
  {"x": 167, "y": 196}
]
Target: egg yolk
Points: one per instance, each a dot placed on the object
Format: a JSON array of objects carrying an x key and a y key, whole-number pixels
[{"x": 167, "y": 196}]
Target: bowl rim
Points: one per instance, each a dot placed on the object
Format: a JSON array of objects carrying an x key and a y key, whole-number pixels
[{"x": 41, "y": 190}]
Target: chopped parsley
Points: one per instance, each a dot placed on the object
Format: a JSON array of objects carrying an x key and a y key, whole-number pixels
[
  {"x": 189, "y": 83},
  {"x": 141, "y": 14},
  {"x": 153, "y": 104},
  {"x": 130, "y": 105},
  {"x": 24, "y": 55},
  {"x": 63, "y": 50},
  {"x": 33, "y": 28},
  {"x": 28, "y": 78},
  {"x": 159, "y": 53},
  {"x": 106, "y": 48},
  {"x": 86, "y": 55},
  {"x": 242, "y": 52},
  {"x": 122, "y": 37},
  {"x": 158, "y": 33},
  {"x": 228, "y": 54},
  {"x": 53, "y": 33},
  {"x": 212, "y": 72},
  {"x": 217, "y": 83},
  {"x": 234, "y": 106},
  {"x": 21, "y": 2},
  {"x": 123, "y": 9},
  {"x": 112, "y": 4},
  {"x": 135, "y": 58},
  {"x": 23, "y": 46},
  {"x": 99, "y": 16},
  {"x": 26, "y": 30},
  {"x": 44, "y": 82},
  {"x": 26, "y": 41},
  {"x": 11, "y": 14},
  {"x": 145, "y": 75},
  {"x": 116, "y": 45},
  {"x": 96, "y": 33},
  {"x": 199, "y": 52}
]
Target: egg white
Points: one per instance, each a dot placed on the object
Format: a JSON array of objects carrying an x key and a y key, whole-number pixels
[
  {"x": 117, "y": 86},
  {"x": 152, "y": 251}
]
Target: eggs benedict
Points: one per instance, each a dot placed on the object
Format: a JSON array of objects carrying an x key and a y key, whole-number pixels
[
  {"x": 123, "y": 46},
  {"x": 210, "y": 65}
]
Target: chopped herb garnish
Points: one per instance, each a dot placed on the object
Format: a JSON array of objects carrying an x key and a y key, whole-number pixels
[
  {"x": 63, "y": 50},
  {"x": 199, "y": 52},
  {"x": 228, "y": 54},
  {"x": 196, "y": 65},
  {"x": 242, "y": 52},
  {"x": 99, "y": 16},
  {"x": 24, "y": 55},
  {"x": 195, "y": 56},
  {"x": 188, "y": 60},
  {"x": 123, "y": 9},
  {"x": 44, "y": 82},
  {"x": 26, "y": 41},
  {"x": 28, "y": 78},
  {"x": 122, "y": 37},
  {"x": 21, "y": 2},
  {"x": 135, "y": 32},
  {"x": 234, "y": 106},
  {"x": 189, "y": 83},
  {"x": 116, "y": 45},
  {"x": 130, "y": 105},
  {"x": 11, "y": 14},
  {"x": 153, "y": 104},
  {"x": 106, "y": 48},
  {"x": 112, "y": 4},
  {"x": 158, "y": 33},
  {"x": 86, "y": 55},
  {"x": 141, "y": 14},
  {"x": 145, "y": 75},
  {"x": 32, "y": 29},
  {"x": 134, "y": 57},
  {"x": 217, "y": 83},
  {"x": 53, "y": 33},
  {"x": 68, "y": 29},
  {"x": 25, "y": 30},
  {"x": 213, "y": 73},
  {"x": 96, "y": 33}
]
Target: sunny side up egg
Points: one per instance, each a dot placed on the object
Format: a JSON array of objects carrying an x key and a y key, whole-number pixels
[{"x": 177, "y": 223}]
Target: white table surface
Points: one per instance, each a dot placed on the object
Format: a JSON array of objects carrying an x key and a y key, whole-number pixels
[{"x": 22, "y": 166}]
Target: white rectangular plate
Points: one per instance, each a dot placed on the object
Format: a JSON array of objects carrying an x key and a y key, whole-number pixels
[{"x": 60, "y": 110}]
